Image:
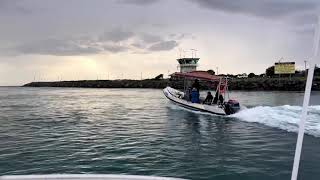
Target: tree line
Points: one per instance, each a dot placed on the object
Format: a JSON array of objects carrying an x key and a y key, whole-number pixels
[{"x": 270, "y": 73}]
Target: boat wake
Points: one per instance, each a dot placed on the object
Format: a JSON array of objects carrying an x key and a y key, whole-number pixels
[{"x": 284, "y": 117}]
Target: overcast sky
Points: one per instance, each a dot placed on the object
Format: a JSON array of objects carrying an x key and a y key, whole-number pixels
[{"x": 90, "y": 39}]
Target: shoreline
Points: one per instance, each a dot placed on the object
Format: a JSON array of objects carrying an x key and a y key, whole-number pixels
[{"x": 247, "y": 84}]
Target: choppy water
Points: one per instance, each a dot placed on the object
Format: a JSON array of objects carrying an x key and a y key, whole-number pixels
[{"x": 137, "y": 131}]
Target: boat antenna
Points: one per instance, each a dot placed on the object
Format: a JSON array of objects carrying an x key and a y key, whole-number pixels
[
  {"x": 281, "y": 59},
  {"x": 195, "y": 52},
  {"x": 306, "y": 100}
]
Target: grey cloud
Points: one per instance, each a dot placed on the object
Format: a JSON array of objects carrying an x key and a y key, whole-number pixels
[
  {"x": 68, "y": 47},
  {"x": 113, "y": 41},
  {"x": 56, "y": 47},
  {"x": 138, "y": 45},
  {"x": 163, "y": 46},
  {"x": 304, "y": 30},
  {"x": 115, "y": 48},
  {"x": 139, "y": 2},
  {"x": 304, "y": 19},
  {"x": 116, "y": 35},
  {"x": 13, "y": 6},
  {"x": 178, "y": 36},
  {"x": 86, "y": 46},
  {"x": 181, "y": 36},
  {"x": 150, "y": 38},
  {"x": 264, "y": 8}
]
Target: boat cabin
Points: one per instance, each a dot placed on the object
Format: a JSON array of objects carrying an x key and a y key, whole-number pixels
[{"x": 218, "y": 85}]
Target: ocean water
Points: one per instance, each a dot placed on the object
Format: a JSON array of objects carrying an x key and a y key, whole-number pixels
[{"x": 138, "y": 131}]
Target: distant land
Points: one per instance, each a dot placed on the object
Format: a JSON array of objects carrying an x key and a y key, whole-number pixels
[{"x": 251, "y": 84}]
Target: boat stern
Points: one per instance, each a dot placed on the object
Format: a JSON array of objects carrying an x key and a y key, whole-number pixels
[{"x": 231, "y": 107}]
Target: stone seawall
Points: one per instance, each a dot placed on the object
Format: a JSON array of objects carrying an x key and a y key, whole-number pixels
[
  {"x": 157, "y": 84},
  {"x": 273, "y": 84},
  {"x": 254, "y": 84}
]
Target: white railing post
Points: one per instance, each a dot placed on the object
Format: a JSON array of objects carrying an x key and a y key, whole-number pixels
[{"x": 306, "y": 99}]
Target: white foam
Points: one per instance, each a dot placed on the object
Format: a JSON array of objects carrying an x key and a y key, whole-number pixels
[{"x": 283, "y": 117}]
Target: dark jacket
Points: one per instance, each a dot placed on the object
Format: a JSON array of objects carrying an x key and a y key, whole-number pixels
[
  {"x": 208, "y": 99},
  {"x": 196, "y": 85}
]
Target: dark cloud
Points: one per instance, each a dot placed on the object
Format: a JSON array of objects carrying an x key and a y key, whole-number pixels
[
  {"x": 116, "y": 35},
  {"x": 163, "y": 46},
  {"x": 263, "y": 8},
  {"x": 139, "y": 2}
]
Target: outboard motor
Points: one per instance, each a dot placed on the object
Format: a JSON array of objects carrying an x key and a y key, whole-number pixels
[{"x": 231, "y": 107}]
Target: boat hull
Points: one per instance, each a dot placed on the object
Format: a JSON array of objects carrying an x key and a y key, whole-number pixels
[{"x": 176, "y": 97}]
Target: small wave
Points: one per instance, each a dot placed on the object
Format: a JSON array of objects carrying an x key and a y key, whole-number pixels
[{"x": 283, "y": 117}]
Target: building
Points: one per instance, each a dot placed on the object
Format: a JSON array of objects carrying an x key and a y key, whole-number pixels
[
  {"x": 284, "y": 68},
  {"x": 244, "y": 75},
  {"x": 188, "y": 64}
]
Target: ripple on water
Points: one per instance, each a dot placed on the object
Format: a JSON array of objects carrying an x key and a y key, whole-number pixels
[{"x": 132, "y": 131}]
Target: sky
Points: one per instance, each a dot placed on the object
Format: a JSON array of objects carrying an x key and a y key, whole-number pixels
[{"x": 50, "y": 40}]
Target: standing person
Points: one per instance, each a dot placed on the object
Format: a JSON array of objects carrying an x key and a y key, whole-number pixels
[
  {"x": 194, "y": 96},
  {"x": 187, "y": 95},
  {"x": 221, "y": 100},
  {"x": 196, "y": 84},
  {"x": 215, "y": 100}
]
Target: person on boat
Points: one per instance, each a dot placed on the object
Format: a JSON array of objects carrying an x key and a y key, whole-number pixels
[
  {"x": 208, "y": 99},
  {"x": 215, "y": 100},
  {"x": 187, "y": 96},
  {"x": 221, "y": 100},
  {"x": 194, "y": 96},
  {"x": 196, "y": 84}
]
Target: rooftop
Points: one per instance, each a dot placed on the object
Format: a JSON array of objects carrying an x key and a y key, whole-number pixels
[
  {"x": 201, "y": 75},
  {"x": 188, "y": 60}
]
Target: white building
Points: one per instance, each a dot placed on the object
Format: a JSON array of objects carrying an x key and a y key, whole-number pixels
[{"x": 188, "y": 64}]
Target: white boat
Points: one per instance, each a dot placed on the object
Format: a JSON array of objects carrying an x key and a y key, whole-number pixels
[{"x": 223, "y": 107}]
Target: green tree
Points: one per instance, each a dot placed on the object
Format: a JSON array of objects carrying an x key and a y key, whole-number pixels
[
  {"x": 210, "y": 71},
  {"x": 160, "y": 76},
  {"x": 251, "y": 75},
  {"x": 270, "y": 71}
]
